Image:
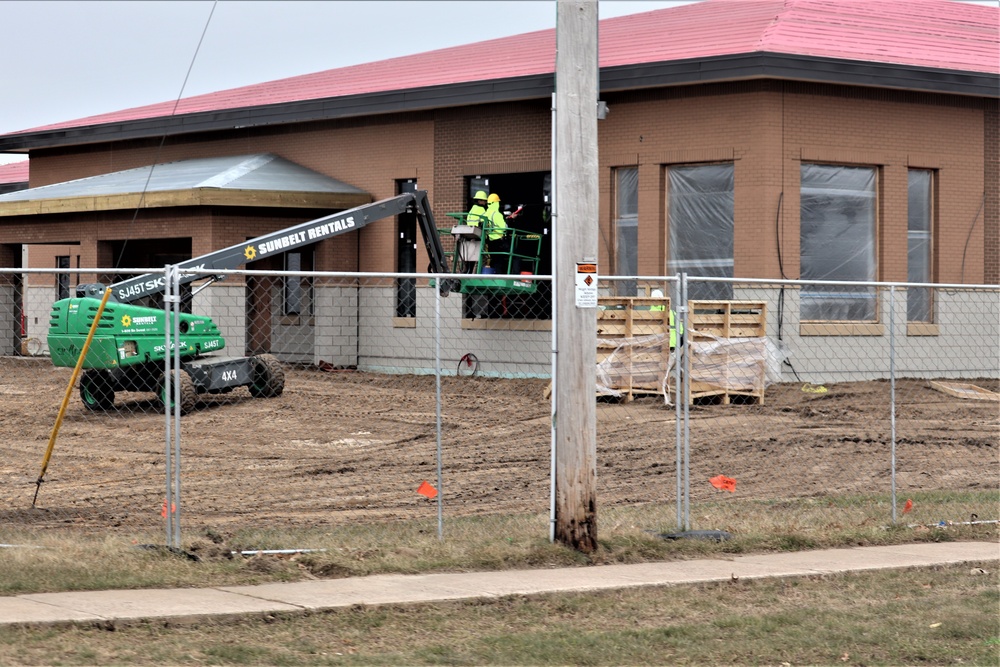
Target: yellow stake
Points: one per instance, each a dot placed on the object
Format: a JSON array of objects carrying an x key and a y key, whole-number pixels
[{"x": 69, "y": 392}]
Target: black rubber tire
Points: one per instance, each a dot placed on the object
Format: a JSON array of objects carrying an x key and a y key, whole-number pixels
[
  {"x": 96, "y": 391},
  {"x": 189, "y": 395},
  {"x": 268, "y": 377}
]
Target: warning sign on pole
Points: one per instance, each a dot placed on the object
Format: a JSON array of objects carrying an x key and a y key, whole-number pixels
[{"x": 586, "y": 285}]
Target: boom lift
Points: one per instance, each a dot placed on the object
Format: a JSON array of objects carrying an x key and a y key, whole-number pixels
[{"x": 128, "y": 349}]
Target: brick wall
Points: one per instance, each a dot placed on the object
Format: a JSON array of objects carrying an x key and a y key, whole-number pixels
[
  {"x": 767, "y": 129},
  {"x": 502, "y": 138}
]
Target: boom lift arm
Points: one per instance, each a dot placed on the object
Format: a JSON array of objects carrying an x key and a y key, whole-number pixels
[{"x": 305, "y": 233}]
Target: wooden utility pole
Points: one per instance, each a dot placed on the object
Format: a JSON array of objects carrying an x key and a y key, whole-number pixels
[{"x": 576, "y": 205}]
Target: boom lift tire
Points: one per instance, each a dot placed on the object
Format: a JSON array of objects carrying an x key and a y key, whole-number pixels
[
  {"x": 96, "y": 390},
  {"x": 189, "y": 395},
  {"x": 268, "y": 377}
]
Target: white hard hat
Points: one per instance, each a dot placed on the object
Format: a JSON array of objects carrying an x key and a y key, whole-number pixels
[{"x": 656, "y": 293}]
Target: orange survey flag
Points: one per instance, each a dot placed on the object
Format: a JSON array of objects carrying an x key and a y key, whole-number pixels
[
  {"x": 427, "y": 490},
  {"x": 724, "y": 483},
  {"x": 908, "y": 506}
]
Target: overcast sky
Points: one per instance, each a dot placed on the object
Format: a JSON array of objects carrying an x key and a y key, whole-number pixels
[{"x": 68, "y": 60}]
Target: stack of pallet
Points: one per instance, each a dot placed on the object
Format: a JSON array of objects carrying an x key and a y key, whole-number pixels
[
  {"x": 728, "y": 349},
  {"x": 633, "y": 354}
]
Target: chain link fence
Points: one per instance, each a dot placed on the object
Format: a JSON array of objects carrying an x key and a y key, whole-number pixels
[
  {"x": 791, "y": 425},
  {"x": 360, "y": 401}
]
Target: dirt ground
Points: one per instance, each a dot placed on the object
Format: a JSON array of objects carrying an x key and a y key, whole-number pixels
[{"x": 346, "y": 446}]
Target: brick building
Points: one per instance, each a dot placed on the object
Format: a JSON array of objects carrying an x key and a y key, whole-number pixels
[{"x": 797, "y": 139}]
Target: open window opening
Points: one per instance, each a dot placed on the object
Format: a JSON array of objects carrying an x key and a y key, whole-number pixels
[
  {"x": 406, "y": 255},
  {"x": 525, "y": 199}
]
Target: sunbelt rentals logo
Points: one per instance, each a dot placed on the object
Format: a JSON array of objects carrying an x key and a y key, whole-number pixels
[{"x": 128, "y": 320}]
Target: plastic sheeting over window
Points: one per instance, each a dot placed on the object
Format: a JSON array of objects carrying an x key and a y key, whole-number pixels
[
  {"x": 700, "y": 209},
  {"x": 626, "y": 228},
  {"x": 838, "y": 241},
  {"x": 918, "y": 248}
]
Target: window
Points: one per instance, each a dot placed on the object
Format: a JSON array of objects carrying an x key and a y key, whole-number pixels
[
  {"x": 297, "y": 290},
  {"x": 626, "y": 239},
  {"x": 406, "y": 255},
  {"x": 700, "y": 223},
  {"x": 837, "y": 241},
  {"x": 919, "y": 236},
  {"x": 62, "y": 279},
  {"x": 477, "y": 183}
]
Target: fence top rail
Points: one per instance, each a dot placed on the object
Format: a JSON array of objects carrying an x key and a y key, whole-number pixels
[
  {"x": 70, "y": 271},
  {"x": 371, "y": 274},
  {"x": 541, "y": 277},
  {"x": 839, "y": 283}
]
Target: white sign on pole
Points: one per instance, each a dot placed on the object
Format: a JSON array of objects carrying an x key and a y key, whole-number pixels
[{"x": 586, "y": 285}]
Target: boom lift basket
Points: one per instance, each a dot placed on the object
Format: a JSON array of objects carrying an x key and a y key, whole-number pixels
[{"x": 472, "y": 255}]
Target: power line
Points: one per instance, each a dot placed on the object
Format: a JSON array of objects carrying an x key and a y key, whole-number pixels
[{"x": 163, "y": 139}]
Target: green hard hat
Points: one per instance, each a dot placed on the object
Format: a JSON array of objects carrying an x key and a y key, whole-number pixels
[{"x": 479, "y": 195}]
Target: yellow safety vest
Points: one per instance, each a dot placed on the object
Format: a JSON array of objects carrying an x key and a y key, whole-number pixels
[
  {"x": 670, "y": 320},
  {"x": 475, "y": 215},
  {"x": 497, "y": 225}
]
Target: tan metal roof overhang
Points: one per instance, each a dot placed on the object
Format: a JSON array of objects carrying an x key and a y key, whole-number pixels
[{"x": 263, "y": 180}]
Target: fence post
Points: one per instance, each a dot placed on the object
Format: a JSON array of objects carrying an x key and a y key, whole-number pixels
[
  {"x": 682, "y": 321},
  {"x": 679, "y": 379},
  {"x": 892, "y": 395},
  {"x": 172, "y": 387},
  {"x": 437, "y": 377},
  {"x": 168, "y": 467}
]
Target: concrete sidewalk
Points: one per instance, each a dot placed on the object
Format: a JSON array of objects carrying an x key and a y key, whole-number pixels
[{"x": 188, "y": 604}]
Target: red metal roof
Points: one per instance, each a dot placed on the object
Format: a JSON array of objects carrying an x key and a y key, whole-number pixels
[
  {"x": 14, "y": 172},
  {"x": 922, "y": 33},
  {"x": 926, "y": 33}
]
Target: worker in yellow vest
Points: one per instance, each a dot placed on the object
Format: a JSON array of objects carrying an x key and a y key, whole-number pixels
[
  {"x": 671, "y": 319},
  {"x": 497, "y": 240},
  {"x": 477, "y": 213}
]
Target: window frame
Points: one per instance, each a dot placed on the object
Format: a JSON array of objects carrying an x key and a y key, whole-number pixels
[
  {"x": 304, "y": 294},
  {"x": 928, "y": 235},
  {"x": 625, "y": 230},
  {"x": 63, "y": 279},
  {"x": 872, "y": 294},
  {"x": 703, "y": 290}
]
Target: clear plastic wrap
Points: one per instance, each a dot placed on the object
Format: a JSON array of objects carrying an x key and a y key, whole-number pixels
[
  {"x": 837, "y": 241},
  {"x": 700, "y": 202}
]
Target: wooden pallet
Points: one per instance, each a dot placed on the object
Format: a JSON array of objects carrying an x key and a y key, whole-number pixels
[
  {"x": 640, "y": 369},
  {"x": 727, "y": 371},
  {"x": 728, "y": 319},
  {"x": 968, "y": 391}
]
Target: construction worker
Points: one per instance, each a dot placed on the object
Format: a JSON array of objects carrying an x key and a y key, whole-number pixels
[
  {"x": 497, "y": 241},
  {"x": 671, "y": 319},
  {"x": 477, "y": 213}
]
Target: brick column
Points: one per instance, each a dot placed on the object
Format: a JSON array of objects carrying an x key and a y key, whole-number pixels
[{"x": 991, "y": 182}]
